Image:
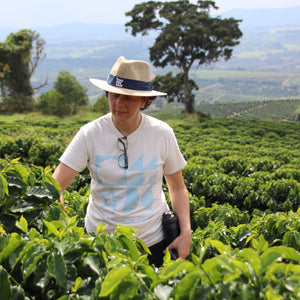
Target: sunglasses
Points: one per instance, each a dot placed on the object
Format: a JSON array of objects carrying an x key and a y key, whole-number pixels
[{"x": 123, "y": 158}]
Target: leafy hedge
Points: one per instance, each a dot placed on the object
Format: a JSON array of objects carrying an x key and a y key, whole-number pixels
[
  {"x": 243, "y": 180},
  {"x": 45, "y": 253}
]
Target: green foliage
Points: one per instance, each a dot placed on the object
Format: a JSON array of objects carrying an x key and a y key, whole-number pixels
[
  {"x": 249, "y": 164},
  {"x": 101, "y": 105},
  {"x": 65, "y": 98},
  {"x": 173, "y": 86},
  {"x": 32, "y": 149},
  {"x": 24, "y": 192},
  {"x": 243, "y": 181},
  {"x": 49, "y": 102},
  {"x": 182, "y": 24},
  {"x": 20, "y": 54}
]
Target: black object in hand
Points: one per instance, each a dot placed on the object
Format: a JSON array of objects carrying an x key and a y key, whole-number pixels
[{"x": 170, "y": 227}]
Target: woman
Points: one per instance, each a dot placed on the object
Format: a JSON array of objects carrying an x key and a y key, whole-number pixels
[{"x": 127, "y": 154}]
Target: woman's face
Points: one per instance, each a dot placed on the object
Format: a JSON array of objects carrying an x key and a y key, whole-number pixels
[{"x": 125, "y": 108}]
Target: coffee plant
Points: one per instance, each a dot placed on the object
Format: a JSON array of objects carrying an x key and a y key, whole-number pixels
[{"x": 243, "y": 181}]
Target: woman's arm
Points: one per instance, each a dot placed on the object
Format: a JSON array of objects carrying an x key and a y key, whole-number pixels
[
  {"x": 180, "y": 204},
  {"x": 64, "y": 175}
]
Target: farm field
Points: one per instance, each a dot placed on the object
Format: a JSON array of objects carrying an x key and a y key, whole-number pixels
[
  {"x": 276, "y": 110},
  {"x": 221, "y": 86},
  {"x": 243, "y": 176}
]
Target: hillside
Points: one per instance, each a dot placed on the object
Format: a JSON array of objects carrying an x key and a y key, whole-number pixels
[{"x": 277, "y": 110}]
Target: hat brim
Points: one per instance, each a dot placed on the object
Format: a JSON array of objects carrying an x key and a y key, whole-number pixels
[{"x": 103, "y": 85}]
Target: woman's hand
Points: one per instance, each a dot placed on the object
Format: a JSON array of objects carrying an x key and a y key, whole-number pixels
[
  {"x": 182, "y": 245},
  {"x": 180, "y": 204}
]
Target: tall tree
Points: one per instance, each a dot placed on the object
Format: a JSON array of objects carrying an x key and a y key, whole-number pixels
[
  {"x": 20, "y": 54},
  {"x": 188, "y": 35}
]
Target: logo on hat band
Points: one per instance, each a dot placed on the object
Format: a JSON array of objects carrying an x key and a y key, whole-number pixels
[{"x": 128, "y": 83}]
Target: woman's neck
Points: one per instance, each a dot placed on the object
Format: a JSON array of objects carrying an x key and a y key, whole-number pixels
[{"x": 128, "y": 127}]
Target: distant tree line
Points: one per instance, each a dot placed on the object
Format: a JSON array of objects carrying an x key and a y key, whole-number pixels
[{"x": 20, "y": 54}]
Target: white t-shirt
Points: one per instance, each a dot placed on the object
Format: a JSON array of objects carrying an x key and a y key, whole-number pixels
[{"x": 130, "y": 196}]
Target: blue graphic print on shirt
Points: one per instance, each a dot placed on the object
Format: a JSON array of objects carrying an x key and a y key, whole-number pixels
[{"x": 138, "y": 187}]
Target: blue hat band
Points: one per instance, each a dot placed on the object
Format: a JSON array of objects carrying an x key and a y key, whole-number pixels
[{"x": 130, "y": 84}]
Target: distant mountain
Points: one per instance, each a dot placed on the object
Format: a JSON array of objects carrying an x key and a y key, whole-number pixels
[
  {"x": 83, "y": 31},
  {"x": 252, "y": 19}
]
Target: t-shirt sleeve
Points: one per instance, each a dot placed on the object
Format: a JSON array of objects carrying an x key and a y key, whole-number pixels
[
  {"x": 174, "y": 160},
  {"x": 76, "y": 154}
]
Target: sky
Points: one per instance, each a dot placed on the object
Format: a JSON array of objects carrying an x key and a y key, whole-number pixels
[{"x": 34, "y": 13}]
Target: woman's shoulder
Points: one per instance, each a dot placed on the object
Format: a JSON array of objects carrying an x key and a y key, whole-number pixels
[{"x": 156, "y": 123}]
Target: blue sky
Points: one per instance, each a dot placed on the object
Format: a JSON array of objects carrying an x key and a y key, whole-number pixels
[{"x": 32, "y": 13}]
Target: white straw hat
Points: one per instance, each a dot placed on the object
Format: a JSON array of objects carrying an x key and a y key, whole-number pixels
[{"x": 128, "y": 77}]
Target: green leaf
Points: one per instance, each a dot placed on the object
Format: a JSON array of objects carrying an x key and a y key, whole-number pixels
[
  {"x": 163, "y": 291},
  {"x": 273, "y": 253},
  {"x": 131, "y": 246},
  {"x": 203, "y": 250},
  {"x": 3, "y": 187},
  {"x": 172, "y": 269},
  {"x": 260, "y": 245},
  {"x": 288, "y": 253},
  {"x": 22, "y": 172},
  {"x": 31, "y": 179},
  {"x": 244, "y": 268},
  {"x": 22, "y": 206},
  {"x": 41, "y": 276},
  {"x": 55, "y": 194},
  {"x": 71, "y": 275},
  {"x": 57, "y": 268},
  {"x": 185, "y": 286},
  {"x": 223, "y": 249},
  {"x": 250, "y": 256},
  {"x": 5, "y": 290},
  {"x": 51, "y": 228},
  {"x": 268, "y": 258},
  {"x": 31, "y": 255},
  {"x": 49, "y": 178},
  {"x": 100, "y": 228},
  {"x": 15, "y": 160},
  {"x": 195, "y": 259},
  {"x": 273, "y": 294},
  {"x": 39, "y": 192},
  {"x": 167, "y": 257},
  {"x": 125, "y": 230},
  {"x": 212, "y": 270},
  {"x": 22, "y": 224},
  {"x": 16, "y": 182},
  {"x": 93, "y": 262},
  {"x": 113, "y": 279},
  {"x": 78, "y": 284},
  {"x": 13, "y": 244},
  {"x": 226, "y": 263}
]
